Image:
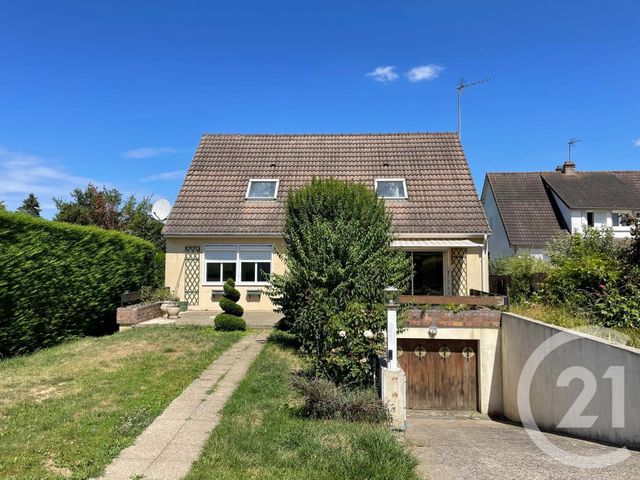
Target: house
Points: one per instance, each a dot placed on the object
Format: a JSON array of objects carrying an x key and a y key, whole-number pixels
[
  {"x": 526, "y": 210},
  {"x": 228, "y": 216}
]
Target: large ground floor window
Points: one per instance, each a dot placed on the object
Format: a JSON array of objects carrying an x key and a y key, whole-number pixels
[
  {"x": 245, "y": 264},
  {"x": 428, "y": 273}
]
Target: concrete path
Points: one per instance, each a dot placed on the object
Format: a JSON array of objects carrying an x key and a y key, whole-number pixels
[
  {"x": 255, "y": 319},
  {"x": 169, "y": 446},
  {"x": 478, "y": 449}
]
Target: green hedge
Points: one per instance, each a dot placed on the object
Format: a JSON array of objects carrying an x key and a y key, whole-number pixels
[{"x": 59, "y": 281}]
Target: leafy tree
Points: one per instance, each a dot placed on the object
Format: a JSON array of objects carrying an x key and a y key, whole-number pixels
[
  {"x": 104, "y": 208},
  {"x": 30, "y": 206},
  {"x": 136, "y": 219},
  {"x": 337, "y": 252},
  {"x": 91, "y": 206},
  {"x": 3, "y": 207}
]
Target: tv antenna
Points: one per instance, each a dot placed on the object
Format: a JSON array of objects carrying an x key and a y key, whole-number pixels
[
  {"x": 571, "y": 143},
  {"x": 460, "y": 88},
  {"x": 161, "y": 209}
]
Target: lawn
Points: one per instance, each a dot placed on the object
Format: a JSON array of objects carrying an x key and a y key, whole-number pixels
[
  {"x": 65, "y": 412},
  {"x": 261, "y": 435},
  {"x": 568, "y": 319}
]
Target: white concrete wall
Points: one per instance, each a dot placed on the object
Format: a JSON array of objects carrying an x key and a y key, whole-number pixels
[
  {"x": 520, "y": 336},
  {"x": 489, "y": 360},
  {"x": 498, "y": 241}
]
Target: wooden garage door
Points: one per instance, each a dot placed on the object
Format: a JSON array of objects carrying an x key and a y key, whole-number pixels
[{"x": 441, "y": 374}]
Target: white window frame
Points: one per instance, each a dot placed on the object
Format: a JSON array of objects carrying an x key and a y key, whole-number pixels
[
  {"x": 617, "y": 213},
  {"x": 404, "y": 185},
  {"x": 238, "y": 263},
  {"x": 275, "y": 193}
]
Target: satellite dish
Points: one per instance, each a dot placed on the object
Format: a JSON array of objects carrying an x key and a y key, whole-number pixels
[{"x": 161, "y": 209}]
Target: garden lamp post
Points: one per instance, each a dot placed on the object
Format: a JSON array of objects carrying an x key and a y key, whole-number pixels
[{"x": 392, "y": 302}]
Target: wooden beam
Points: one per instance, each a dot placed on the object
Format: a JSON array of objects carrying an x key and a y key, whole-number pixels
[{"x": 451, "y": 299}]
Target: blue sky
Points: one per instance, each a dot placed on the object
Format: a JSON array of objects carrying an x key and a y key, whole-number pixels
[{"x": 118, "y": 93}]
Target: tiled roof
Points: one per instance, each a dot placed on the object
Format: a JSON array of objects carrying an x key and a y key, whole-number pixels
[
  {"x": 442, "y": 196},
  {"x": 604, "y": 190},
  {"x": 525, "y": 207},
  {"x": 529, "y": 214}
]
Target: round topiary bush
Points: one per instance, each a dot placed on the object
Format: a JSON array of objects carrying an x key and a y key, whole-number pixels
[
  {"x": 230, "y": 319},
  {"x": 229, "y": 323}
]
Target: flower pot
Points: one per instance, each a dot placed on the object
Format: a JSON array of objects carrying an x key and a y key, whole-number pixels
[
  {"x": 184, "y": 306},
  {"x": 173, "y": 311},
  {"x": 165, "y": 305}
]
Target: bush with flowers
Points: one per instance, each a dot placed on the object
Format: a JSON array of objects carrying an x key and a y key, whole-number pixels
[{"x": 337, "y": 252}]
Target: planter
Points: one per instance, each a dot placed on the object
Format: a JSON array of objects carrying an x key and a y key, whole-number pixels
[
  {"x": 184, "y": 305},
  {"x": 173, "y": 311},
  {"x": 165, "y": 305},
  {"x": 135, "y": 314}
]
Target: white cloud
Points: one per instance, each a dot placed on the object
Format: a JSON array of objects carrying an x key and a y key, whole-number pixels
[
  {"x": 424, "y": 72},
  {"x": 384, "y": 74},
  {"x": 23, "y": 174},
  {"x": 636, "y": 142},
  {"x": 150, "y": 152},
  {"x": 174, "y": 175}
]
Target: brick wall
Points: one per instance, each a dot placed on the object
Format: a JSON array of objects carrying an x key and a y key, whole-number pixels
[{"x": 135, "y": 314}]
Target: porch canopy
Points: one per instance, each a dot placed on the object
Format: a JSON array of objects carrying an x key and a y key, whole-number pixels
[{"x": 435, "y": 243}]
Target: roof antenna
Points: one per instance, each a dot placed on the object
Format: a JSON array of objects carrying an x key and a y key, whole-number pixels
[
  {"x": 460, "y": 88},
  {"x": 572, "y": 142}
]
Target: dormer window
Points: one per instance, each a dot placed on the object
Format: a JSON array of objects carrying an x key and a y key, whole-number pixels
[
  {"x": 262, "y": 189},
  {"x": 393, "y": 188}
]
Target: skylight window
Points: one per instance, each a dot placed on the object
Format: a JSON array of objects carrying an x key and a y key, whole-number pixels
[
  {"x": 262, "y": 189},
  {"x": 391, "y": 188}
]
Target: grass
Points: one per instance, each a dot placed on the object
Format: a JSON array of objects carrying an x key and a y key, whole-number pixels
[
  {"x": 67, "y": 411},
  {"x": 562, "y": 317},
  {"x": 262, "y": 436}
]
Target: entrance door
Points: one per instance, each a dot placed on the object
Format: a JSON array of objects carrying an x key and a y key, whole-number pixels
[{"x": 441, "y": 374}]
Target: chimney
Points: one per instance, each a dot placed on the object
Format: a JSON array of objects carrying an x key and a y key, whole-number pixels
[{"x": 569, "y": 168}]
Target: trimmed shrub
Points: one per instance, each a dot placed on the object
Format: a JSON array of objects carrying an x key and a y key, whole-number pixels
[
  {"x": 228, "y": 323},
  {"x": 231, "y": 307},
  {"x": 324, "y": 400},
  {"x": 230, "y": 319},
  {"x": 230, "y": 291},
  {"x": 59, "y": 281}
]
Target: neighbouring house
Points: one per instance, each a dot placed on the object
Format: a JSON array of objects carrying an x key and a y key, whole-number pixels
[
  {"x": 526, "y": 210},
  {"x": 228, "y": 216}
]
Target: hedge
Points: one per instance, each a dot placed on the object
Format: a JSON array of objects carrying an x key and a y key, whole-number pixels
[{"x": 59, "y": 281}]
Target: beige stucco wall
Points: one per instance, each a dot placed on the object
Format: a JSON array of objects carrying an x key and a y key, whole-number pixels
[
  {"x": 550, "y": 403},
  {"x": 489, "y": 360},
  {"x": 174, "y": 274},
  {"x": 474, "y": 268}
]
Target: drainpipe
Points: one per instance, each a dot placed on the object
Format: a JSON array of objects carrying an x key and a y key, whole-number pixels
[{"x": 484, "y": 265}]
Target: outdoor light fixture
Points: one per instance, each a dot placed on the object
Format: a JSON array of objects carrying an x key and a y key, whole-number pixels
[
  {"x": 392, "y": 297},
  {"x": 433, "y": 331},
  {"x": 392, "y": 302}
]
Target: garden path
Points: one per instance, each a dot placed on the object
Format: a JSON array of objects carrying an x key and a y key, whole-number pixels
[{"x": 169, "y": 446}]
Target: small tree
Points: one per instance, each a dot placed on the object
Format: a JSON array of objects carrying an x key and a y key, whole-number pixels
[
  {"x": 338, "y": 257},
  {"x": 231, "y": 318},
  {"x": 30, "y": 206},
  {"x": 3, "y": 207}
]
